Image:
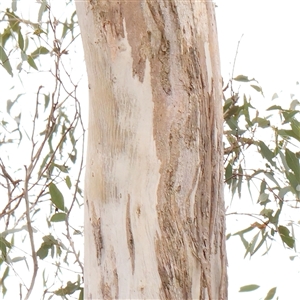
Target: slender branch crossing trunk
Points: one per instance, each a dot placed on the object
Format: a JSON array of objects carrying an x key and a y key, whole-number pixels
[{"x": 154, "y": 212}]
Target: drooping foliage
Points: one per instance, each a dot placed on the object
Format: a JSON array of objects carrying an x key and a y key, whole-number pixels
[
  {"x": 263, "y": 154},
  {"x": 41, "y": 141}
]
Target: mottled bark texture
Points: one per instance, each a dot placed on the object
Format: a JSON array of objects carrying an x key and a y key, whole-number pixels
[{"x": 154, "y": 211}]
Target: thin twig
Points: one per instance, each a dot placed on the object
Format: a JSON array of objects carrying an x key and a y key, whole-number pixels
[{"x": 30, "y": 231}]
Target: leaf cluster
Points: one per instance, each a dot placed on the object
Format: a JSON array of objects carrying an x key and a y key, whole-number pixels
[
  {"x": 262, "y": 153},
  {"x": 42, "y": 180}
]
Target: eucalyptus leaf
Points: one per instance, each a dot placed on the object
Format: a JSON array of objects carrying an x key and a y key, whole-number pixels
[
  {"x": 57, "y": 197},
  {"x": 249, "y": 288}
]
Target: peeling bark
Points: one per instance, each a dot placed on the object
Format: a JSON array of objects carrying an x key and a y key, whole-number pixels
[{"x": 154, "y": 174}]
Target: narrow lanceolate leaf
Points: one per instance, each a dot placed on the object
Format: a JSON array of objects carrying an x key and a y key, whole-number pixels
[
  {"x": 252, "y": 244},
  {"x": 242, "y": 78},
  {"x": 249, "y": 288},
  {"x": 271, "y": 294},
  {"x": 261, "y": 242},
  {"x": 31, "y": 62},
  {"x": 68, "y": 182},
  {"x": 42, "y": 9},
  {"x": 56, "y": 196},
  {"x": 20, "y": 40},
  {"x": 293, "y": 163},
  {"x": 266, "y": 153},
  {"x": 295, "y": 129},
  {"x": 5, "y": 61},
  {"x": 257, "y": 88},
  {"x": 285, "y": 236},
  {"x": 273, "y": 107}
]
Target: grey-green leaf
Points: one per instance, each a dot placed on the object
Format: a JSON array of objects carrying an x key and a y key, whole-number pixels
[
  {"x": 56, "y": 196},
  {"x": 242, "y": 78},
  {"x": 58, "y": 217},
  {"x": 249, "y": 288},
  {"x": 31, "y": 62},
  {"x": 5, "y": 61},
  {"x": 39, "y": 51},
  {"x": 293, "y": 163},
  {"x": 285, "y": 236},
  {"x": 271, "y": 294}
]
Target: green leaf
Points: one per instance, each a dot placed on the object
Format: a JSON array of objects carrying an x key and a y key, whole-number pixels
[
  {"x": 283, "y": 160},
  {"x": 271, "y": 293},
  {"x": 65, "y": 30},
  {"x": 58, "y": 217},
  {"x": 4, "y": 276},
  {"x": 257, "y": 88},
  {"x": 5, "y": 61},
  {"x": 274, "y": 96},
  {"x": 46, "y": 101},
  {"x": 289, "y": 115},
  {"x": 62, "y": 168},
  {"x": 18, "y": 258},
  {"x": 252, "y": 244},
  {"x": 31, "y": 62},
  {"x": 285, "y": 236},
  {"x": 260, "y": 243},
  {"x": 56, "y": 196},
  {"x": 68, "y": 290},
  {"x": 244, "y": 231},
  {"x": 284, "y": 190},
  {"x": 240, "y": 181},
  {"x": 263, "y": 199},
  {"x": 42, "y": 9},
  {"x": 266, "y": 152},
  {"x": 20, "y": 40},
  {"x": 243, "y": 78},
  {"x": 271, "y": 177},
  {"x": 49, "y": 240},
  {"x": 293, "y": 163},
  {"x": 42, "y": 252},
  {"x": 4, "y": 242},
  {"x": 273, "y": 107},
  {"x": 249, "y": 288},
  {"x": 263, "y": 123},
  {"x": 39, "y": 51},
  {"x": 267, "y": 213},
  {"x": 81, "y": 294},
  {"x": 294, "y": 104},
  {"x": 244, "y": 241},
  {"x": 296, "y": 129},
  {"x": 68, "y": 182}
]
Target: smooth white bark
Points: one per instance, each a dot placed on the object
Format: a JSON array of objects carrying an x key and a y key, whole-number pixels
[{"x": 154, "y": 217}]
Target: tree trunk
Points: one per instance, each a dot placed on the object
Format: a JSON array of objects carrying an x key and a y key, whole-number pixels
[{"x": 154, "y": 211}]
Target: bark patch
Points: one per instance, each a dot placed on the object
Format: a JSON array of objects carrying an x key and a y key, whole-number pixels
[
  {"x": 130, "y": 240},
  {"x": 96, "y": 225}
]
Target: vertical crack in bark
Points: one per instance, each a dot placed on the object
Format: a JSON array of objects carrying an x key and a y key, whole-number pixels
[
  {"x": 116, "y": 282},
  {"x": 129, "y": 235},
  {"x": 96, "y": 225}
]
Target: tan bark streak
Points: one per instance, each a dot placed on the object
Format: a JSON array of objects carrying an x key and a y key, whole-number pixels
[
  {"x": 96, "y": 224},
  {"x": 130, "y": 240}
]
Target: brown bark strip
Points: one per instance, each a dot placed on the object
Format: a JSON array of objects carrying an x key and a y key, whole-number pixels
[
  {"x": 130, "y": 240},
  {"x": 96, "y": 225}
]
